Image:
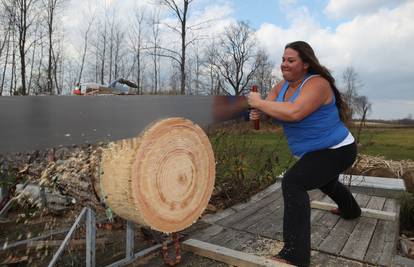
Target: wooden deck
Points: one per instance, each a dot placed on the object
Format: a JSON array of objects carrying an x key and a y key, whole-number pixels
[{"x": 363, "y": 241}]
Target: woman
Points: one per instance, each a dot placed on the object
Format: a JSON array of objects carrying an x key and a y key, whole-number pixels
[{"x": 311, "y": 110}]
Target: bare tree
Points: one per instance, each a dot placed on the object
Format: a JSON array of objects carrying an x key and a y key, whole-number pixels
[
  {"x": 38, "y": 42},
  {"x": 85, "y": 45},
  {"x": 13, "y": 79},
  {"x": 235, "y": 57},
  {"x": 181, "y": 12},
  {"x": 174, "y": 78},
  {"x": 136, "y": 39},
  {"x": 57, "y": 57},
  {"x": 51, "y": 9},
  {"x": 263, "y": 76},
  {"x": 5, "y": 45},
  {"x": 361, "y": 106},
  {"x": 155, "y": 49},
  {"x": 212, "y": 71},
  {"x": 351, "y": 86},
  {"x": 111, "y": 42},
  {"x": 39, "y": 82},
  {"x": 119, "y": 53},
  {"x": 102, "y": 55},
  {"x": 196, "y": 67},
  {"x": 22, "y": 14},
  {"x": 6, "y": 33}
]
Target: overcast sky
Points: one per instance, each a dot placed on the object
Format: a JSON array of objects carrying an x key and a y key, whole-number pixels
[{"x": 375, "y": 37}]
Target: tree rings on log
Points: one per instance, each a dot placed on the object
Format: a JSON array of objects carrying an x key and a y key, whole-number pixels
[{"x": 163, "y": 178}]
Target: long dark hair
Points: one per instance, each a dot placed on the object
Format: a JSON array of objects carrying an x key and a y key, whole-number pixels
[{"x": 308, "y": 56}]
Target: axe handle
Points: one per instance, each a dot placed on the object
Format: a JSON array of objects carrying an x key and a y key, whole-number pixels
[{"x": 256, "y": 123}]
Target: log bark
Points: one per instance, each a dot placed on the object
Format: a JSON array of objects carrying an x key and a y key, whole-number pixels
[{"x": 163, "y": 178}]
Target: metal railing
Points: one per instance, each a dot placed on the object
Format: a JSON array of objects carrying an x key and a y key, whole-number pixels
[{"x": 90, "y": 220}]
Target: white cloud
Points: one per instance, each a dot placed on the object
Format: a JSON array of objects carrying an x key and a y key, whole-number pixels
[
  {"x": 377, "y": 45},
  {"x": 351, "y": 8},
  {"x": 286, "y": 4}
]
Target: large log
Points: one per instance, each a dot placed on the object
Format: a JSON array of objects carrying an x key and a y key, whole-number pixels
[{"x": 163, "y": 178}]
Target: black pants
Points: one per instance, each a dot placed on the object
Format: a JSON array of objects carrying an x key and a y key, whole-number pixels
[{"x": 318, "y": 169}]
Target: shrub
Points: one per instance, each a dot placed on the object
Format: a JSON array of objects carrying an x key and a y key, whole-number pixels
[
  {"x": 407, "y": 212},
  {"x": 244, "y": 165}
]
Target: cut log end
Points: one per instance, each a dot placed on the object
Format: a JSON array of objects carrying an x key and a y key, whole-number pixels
[{"x": 163, "y": 178}]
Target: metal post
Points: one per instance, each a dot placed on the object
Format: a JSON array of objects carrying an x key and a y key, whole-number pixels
[
  {"x": 130, "y": 240},
  {"x": 90, "y": 238},
  {"x": 66, "y": 240}
]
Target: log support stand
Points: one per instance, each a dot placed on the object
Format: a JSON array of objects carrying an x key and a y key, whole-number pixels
[{"x": 88, "y": 215}]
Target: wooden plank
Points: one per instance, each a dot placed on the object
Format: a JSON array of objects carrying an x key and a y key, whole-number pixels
[
  {"x": 357, "y": 244},
  {"x": 321, "y": 224},
  {"x": 316, "y": 194},
  {"x": 394, "y": 184},
  {"x": 321, "y": 229},
  {"x": 383, "y": 245},
  {"x": 321, "y": 259},
  {"x": 239, "y": 239},
  {"x": 222, "y": 238},
  {"x": 209, "y": 232},
  {"x": 370, "y": 213},
  {"x": 270, "y": 226},
  {"x": 259, "y": 196},
  {"x": 226, "y": 255},
  {"x": 337, "y": 238},
  {"x": 362, "y": 199},
  {"x": 212, "y": 218},
  {"x": 241, "y": 215},
  {"x": 229, "y": 238},
  {"x": 324, "y": 222},
  {"x": 232, "y": 239},
  {"x": 317, "y": 214},
  {"x": 376, "y": 203},
  {"x": 261, "y": 213},
  {"x": 318, "y": 230},
  {"x": 359, "y": 240},
  {"x": 339, "y": 235},
  {"x": 375, "y": 186}
]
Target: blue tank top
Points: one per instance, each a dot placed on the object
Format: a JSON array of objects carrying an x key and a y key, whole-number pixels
[{"x": 320, "y": 130}]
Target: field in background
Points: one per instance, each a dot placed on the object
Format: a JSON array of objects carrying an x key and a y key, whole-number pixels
[
  {"x": 249, "y": 161},
  {"x": 394, "y": 143}
]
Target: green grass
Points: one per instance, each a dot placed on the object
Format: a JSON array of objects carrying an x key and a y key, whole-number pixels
[
  {"x": 249, "y": 161},
  {"x": 392, "y": 143},
  {"x": 262, "y": 143}
]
